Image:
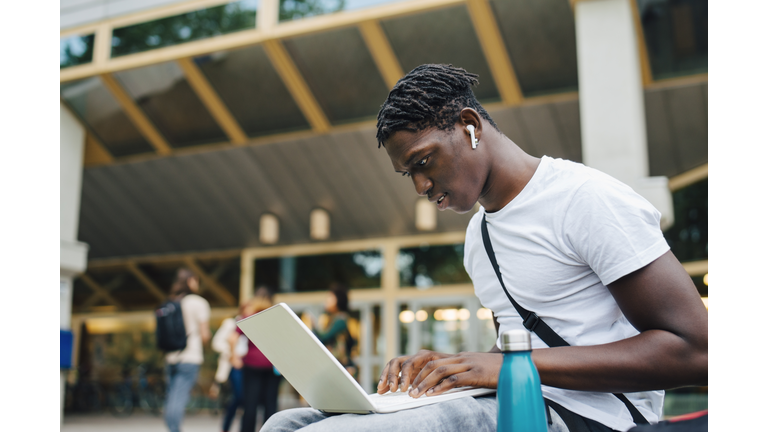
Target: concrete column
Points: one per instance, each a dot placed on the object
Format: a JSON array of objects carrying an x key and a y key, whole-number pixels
[
  {"x": 73, "y": 254},
  {"x": 611, "y": 99}
]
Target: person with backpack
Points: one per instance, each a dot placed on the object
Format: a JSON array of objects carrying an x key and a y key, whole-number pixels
[{"x": 184, "y": 349}]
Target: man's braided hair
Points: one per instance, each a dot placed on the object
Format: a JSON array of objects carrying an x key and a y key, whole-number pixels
[{"x": 431, "y": 95}]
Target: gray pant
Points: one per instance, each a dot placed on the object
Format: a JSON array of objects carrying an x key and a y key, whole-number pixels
[
  {"x": 180, "y": 378},
  {"x": 460, "y": 415}
]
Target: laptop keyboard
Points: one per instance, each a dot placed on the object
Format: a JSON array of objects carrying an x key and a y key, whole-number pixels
[{"x": 399, "y": 397}]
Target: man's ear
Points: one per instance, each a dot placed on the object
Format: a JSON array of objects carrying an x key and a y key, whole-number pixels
[{"x": 469, "y": 116}]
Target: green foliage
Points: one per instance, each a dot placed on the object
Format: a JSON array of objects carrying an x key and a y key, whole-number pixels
[
  {"x": 432, "y": 265},
  {"x": 688, "y": 237},
  {"x": 297, "y": 9},
  {"x": 187, "y": 27},
  {"x": 75, "y": 51}
]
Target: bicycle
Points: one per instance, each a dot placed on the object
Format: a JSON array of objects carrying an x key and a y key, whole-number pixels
[
  {"x": 86, "y": 395},
  {"x": 146, "y": 392}
]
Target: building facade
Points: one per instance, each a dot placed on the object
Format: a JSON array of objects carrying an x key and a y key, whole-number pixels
[{"x": 238, "y": 139}]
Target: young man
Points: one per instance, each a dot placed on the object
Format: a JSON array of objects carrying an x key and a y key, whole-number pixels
[{"x": 575, "y": 246}]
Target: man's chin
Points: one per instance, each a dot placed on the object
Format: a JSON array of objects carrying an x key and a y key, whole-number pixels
[{"x": 461, "y": 210}]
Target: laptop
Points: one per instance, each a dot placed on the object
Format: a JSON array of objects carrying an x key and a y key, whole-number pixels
[{"x": 316, "y": 374}]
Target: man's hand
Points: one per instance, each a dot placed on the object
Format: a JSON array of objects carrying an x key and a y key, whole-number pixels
[{"x": 433, "y": 373}]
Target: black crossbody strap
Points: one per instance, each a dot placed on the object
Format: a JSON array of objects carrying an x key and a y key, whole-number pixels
[{"x": 533, "y": 323}]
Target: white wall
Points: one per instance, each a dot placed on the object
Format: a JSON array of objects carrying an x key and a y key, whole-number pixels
[
  {"x": 73, "y": 254},
  {"x": 72, "y": 145},
  {"x": 611, "y": 99}
]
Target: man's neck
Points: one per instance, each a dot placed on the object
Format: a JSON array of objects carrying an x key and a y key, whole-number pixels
[{"x": 510, "y": 170}]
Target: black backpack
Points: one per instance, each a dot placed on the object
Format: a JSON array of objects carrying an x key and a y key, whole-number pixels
[{"x": 169, "y": 331}]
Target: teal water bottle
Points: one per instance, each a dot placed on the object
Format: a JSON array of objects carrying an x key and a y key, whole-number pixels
[{"x": 521, "y": 405}]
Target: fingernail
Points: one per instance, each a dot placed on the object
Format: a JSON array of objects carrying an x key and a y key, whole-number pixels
[{"x": 430, "y": 391}]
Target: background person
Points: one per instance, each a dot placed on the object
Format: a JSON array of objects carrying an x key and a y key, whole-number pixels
[
  {"x": 334, "y": 331},
  {"x": 182, "y": 367},
  {"x": 260, "y": 382},
  {"x": 224, "y": 371}
]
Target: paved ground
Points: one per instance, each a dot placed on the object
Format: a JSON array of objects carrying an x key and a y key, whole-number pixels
[{"x": 140, "y": 422}]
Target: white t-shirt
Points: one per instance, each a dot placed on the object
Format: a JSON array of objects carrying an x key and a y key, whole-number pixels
[
  {"x": 571, "y": 231},
  {"x": 195, "y": 310}
]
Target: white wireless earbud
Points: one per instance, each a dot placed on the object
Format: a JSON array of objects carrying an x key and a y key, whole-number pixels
[{"x": 471, "y": 130}]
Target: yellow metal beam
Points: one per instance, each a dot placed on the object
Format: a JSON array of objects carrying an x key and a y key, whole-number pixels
[
  {"x": 495, "y": 52},
  {"x": 173, "y": 9},
  {"x": 168, "y": 260},
  {"x": 212, "y": 101},
  {"x": 296, "y": 85},
  {"x": 211, "y": 283},
  {"x": 689, "y": 177},
  {"x": 244, "y": 37},
  {"x": 99, "y": 292},
  {"x": 697, "y": 268},
  {"x": 148, "y": 283},
  {"x": 142, "y": 123},
  {"x": 95, "y": 153},
  {"x": 642, "y": 48},
  {"x": 679, "y": 81},
  {"x": 381, "y": 51},
  {"x": 268, "y": 15},
  {"x": 102, "y": 44}
]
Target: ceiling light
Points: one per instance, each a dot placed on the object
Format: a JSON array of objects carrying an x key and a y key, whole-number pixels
[
  {"x": 269, "y": 229},
  {"x": 426, "y": 215},
  {"x": 319, "y": 224},
  {"x": 484, "y": 314},
  {"x": 406, "y": 316}
]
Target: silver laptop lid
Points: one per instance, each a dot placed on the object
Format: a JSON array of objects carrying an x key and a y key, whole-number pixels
[{"x": 305, "y": 362}]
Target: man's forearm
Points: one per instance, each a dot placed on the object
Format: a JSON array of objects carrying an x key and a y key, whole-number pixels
[{"x": 652, "y": 360}]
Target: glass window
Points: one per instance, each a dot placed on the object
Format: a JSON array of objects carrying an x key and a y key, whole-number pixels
[
  {"x": 341, "y": 74},
  {"x": 442, "y": 328},
  {"x": 186, "y": 27},
  {"x": 675, "y": 34},
  {"x": 75, "y": 50},
  {"x": 253, "y": 91},
  {"x": 540, "y": 38},
  {"x": 165, "y": 96},
  {"x": 317, "y": 272},
  {"x": 426, "y": 266},
  {"x": 688, "y": 237},
  {"x": 98, "y": 109},
  {"x": 441, "y": 36},
  {"x": 297, "y": 9}
]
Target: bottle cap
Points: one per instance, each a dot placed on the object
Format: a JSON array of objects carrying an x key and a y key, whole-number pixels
[{"x": 516, "y": 340}]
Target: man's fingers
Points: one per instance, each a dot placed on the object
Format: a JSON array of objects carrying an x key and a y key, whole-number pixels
[
  {"x": 449, "y": 382},
  {"x": 437, "y": 377},
  {"x": 409, "y": 369},
  {"x": 383, "y": 386},
  {"x": 390, "y": 376}
]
